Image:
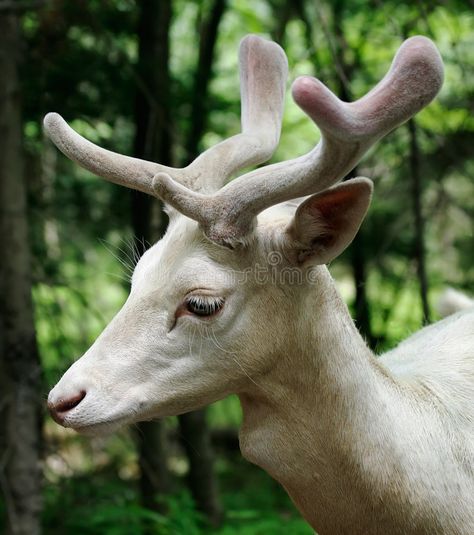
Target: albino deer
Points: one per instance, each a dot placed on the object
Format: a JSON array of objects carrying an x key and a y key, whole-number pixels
[
  {"x": 362, "y": 445},
  {"x": 452, "y": 301}
]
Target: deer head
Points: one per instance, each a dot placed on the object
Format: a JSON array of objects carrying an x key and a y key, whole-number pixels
[{"x": 211, "y": 305}]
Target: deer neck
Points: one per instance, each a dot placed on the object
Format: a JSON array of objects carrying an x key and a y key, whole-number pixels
[{"x": 310, "y": 415}]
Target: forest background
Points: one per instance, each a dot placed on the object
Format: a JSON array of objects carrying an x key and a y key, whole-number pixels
[{"x": 158, "y": 79}]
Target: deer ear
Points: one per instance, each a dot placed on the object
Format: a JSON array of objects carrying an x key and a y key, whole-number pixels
[{"x": 326, "y": 223}]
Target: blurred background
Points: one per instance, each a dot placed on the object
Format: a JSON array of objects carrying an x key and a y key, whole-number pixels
[{"x": 158, "y": 79}]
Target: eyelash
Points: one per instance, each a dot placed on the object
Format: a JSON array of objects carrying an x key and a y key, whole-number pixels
[{"x": 204, "y": 306}]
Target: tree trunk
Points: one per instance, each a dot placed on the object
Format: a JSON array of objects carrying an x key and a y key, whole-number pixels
[
  {"x": 361, "y": 302},
  {"x": 358, "y": 263},
  {"x": 282, "y": 13},
  {"x": 419, "y": 240},
  {"x": 152, "y": 142},
  {"x": 155, "y": 480},
  {"x": 195, "y": 432},
  {"x": 202, "y": 77},
  {"x": 303, "y": 14},
  {"x": 196, "y": 441},
  {"x": 20, "y": 401}
]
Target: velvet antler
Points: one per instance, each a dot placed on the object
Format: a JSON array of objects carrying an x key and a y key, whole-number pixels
[
  {"x": 263, "y": 73},
  {"x": 348, "y": 130}
]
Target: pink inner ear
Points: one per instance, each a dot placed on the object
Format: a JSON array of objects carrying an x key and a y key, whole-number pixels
[
  {"x": 334, "y": 202},
  {"x": 326, "y": 223}
]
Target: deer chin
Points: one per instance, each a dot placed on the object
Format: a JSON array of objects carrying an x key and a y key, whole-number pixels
[
  {"x": 95, "y": 421},
  {"x": 102, "y": 424},
  {"x": 103, "y": 428}
]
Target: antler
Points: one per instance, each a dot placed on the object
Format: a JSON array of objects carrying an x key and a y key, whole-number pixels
[
  {"x": 263, "y": 72},
  {"x": 348, "y": 130}
]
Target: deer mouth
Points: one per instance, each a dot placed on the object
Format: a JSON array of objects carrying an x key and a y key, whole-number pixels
[{"x": 99, "y": 428}]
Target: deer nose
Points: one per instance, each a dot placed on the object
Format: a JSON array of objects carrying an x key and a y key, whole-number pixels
[{"x": 62, "y": 406}]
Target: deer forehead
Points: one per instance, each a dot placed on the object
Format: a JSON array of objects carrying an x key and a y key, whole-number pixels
[{"x": 185, "y": 260}]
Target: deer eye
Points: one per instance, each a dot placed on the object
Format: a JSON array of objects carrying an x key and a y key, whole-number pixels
[{"x": 204, "y": 306}]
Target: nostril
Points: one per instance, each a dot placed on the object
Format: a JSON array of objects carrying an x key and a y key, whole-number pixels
[
  {"x": 62, "y": 406},
  {"x": 65, "y": 405}
]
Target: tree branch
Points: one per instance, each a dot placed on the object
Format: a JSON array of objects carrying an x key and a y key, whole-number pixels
[{"x": 10, "y": 6}]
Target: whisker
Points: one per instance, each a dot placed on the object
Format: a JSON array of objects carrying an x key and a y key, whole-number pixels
[
  {"x": 129, "y": 259},
  {"x": 107, "y": 246},
  {"x": 126, "y": 278}
]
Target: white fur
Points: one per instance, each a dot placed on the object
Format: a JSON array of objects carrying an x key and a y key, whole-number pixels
[
  {"x": 362, "y": 445},
  {"x": 451, "y": 301}
]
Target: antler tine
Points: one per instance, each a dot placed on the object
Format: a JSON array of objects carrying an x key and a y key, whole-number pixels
[
  {"x": 263, "y": 67},
  {"x": 263, "y": 74},
  {"x": 124, "y": 170},
  {"x": 348, "y": 130}
]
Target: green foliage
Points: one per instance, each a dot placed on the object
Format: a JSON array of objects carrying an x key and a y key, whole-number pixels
[
  {"x": 98, "y": 504},
  {"x": 80, "y": 60},
  {"x": 79, "y": 505}
]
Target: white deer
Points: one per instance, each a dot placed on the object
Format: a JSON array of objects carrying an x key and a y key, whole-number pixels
[{"x": 363, "y": 445}]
